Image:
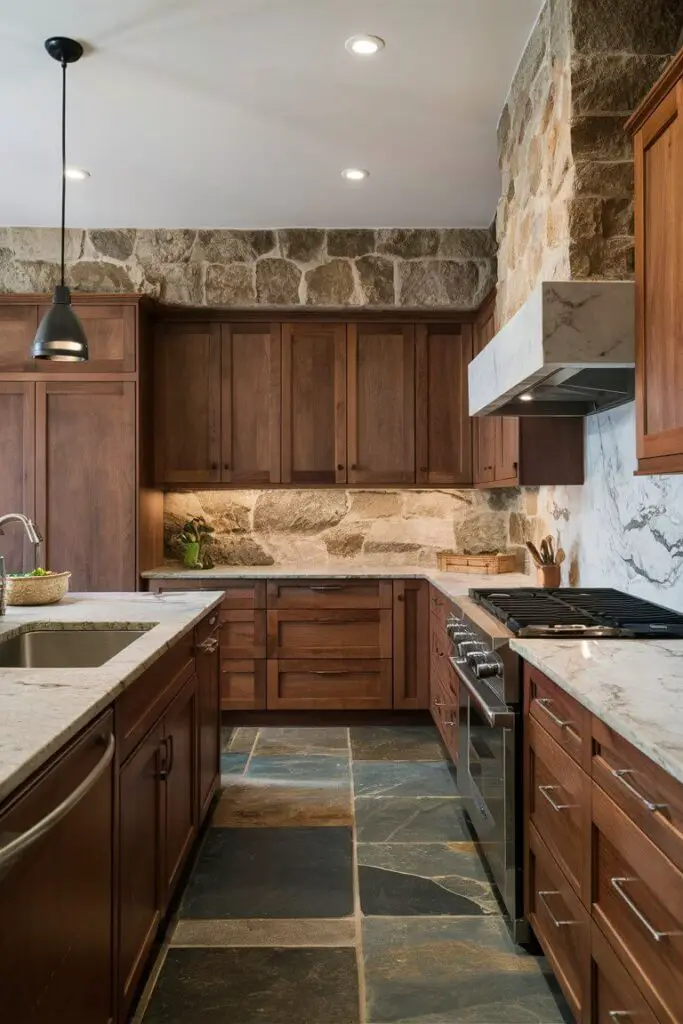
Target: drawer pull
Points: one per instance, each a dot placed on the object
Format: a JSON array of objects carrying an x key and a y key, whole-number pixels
[
  {"x": 330, "y": 672},
  {"x": 546, "y": 790},
  {"x": 213, "y": 620},
  {"x": 209, "y": 646},
  {"x": 617, "y": 885},
  {"x": 543, "y": 897},
  {"x": 544, "y": 703},
  {"x": 620, "y": 1015},
  {"x": 325, "y": 589},
  {"x": 439, "y": 704},
  {"x": 620, "y": 774}
]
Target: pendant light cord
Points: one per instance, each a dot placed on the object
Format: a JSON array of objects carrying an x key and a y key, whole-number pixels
[{"x": 63, "y": 164}]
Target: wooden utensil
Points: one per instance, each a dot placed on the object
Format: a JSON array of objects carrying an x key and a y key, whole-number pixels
[
  {"x": 549, "y": 542},
  {"x": 534, "y": 553},
  {"x": 545, "y": 553},
  {"x": 560, "y": 556}
]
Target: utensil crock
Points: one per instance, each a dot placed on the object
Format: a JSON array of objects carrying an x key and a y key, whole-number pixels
[{"x": 548, "y": 576}]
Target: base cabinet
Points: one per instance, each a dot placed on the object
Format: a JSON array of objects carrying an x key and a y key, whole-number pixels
[{"x": 55, "y": 896}]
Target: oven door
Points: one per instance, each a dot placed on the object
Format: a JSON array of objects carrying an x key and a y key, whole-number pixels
[{"x": 488, "y": 780}]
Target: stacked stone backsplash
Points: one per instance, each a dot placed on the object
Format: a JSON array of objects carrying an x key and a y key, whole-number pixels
[
  {"x": 566, "y": 211},
  {"x": 380, "y": 527},
  {"x": 385, "y": 268}
]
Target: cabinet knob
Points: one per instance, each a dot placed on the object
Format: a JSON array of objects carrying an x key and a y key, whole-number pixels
[
  {"x": 514, "y": 465},
  {"x": 354, "y": 466},
  {"x": 340, "y": 467},
  {"x": 423, "y": 469},
  {"x": 226, "y": 465},
  {"x": 214, "y": 465}
]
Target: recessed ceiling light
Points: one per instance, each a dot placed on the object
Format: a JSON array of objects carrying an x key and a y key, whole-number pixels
[
  {"x": 364, "y": 46},
  {"x": 76, "y": 174},
  {"x": 526, "y": 398},
  {"x": 354, "y": 174}
]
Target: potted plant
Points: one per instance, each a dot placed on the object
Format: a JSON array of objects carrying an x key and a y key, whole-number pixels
[{"x": 194, "y": 542}]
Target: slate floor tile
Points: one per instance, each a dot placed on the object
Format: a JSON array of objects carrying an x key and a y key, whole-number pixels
[
  {"x": 271, "y": 872},
  {"x": 237, "y": 740},
  {"x": 403, "y": 778},
  {"x": 302, "y": 741},
  {"x": 304, "y": 932},
  {"x": 233, "y": 764},
  {"x": 248, "y": 802},
  {"x": 410, "y": 820},
  {"x": 316, "y": 769},
  {"x": 256, "y": 986},
  {"x": 454, "y": 970},
  {"x": 396, "y": 743},
  {"x": 431, "y": 879}
]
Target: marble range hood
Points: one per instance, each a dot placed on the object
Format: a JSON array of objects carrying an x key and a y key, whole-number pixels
[{"x": 569, "y": 350}]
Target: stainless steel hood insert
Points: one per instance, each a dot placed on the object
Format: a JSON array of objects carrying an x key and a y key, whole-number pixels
[{"x": 569, "y": 351}]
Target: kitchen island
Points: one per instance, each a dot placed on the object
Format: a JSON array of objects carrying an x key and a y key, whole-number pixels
[{"x": 106, "y": 776}]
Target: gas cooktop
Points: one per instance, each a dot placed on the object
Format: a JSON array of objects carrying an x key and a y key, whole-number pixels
[{"x": 578, "y": 612}]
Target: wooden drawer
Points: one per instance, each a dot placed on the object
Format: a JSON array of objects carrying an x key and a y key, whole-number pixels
[
  {"x": 560, "y": 922},
  {"x": 650, "y": 796},
  {"x": 243, "y": 685},
  {"x": 441, "y": 608},
  {"x": 242, "y": 633},
  {"x": 637, "y": 899},
  {"x": 335, "y": 685},
  {"x": 143, "y": 703},
  {"x": 331, "y": 634},
  {"x": 558, "y": 805},
  {"x": 615, "y": 998},
  {"x": 330, "y": 594},
  {"x": 566, "y": 720},
  {"x": 439, "y": 651},
  {"x": 238, "y": 593},
  {"x": 444, "y": 709}
]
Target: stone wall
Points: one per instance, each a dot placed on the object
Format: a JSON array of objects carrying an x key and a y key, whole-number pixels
[
  {"x": 567, "y": 212},
  {"x": 385, "y": 268},
  {"x": 382, "y": 527}
]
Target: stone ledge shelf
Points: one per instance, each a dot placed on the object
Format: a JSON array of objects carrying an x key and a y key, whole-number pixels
[{"x": 564, "y": 327}]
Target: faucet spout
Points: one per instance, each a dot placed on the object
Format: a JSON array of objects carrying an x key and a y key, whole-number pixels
[{"x": 30, "y": 528}]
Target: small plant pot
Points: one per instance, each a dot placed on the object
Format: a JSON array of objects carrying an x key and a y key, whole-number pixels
[
  {"x": 191, "y": 556},
  {"x": 548, "y": 576}
]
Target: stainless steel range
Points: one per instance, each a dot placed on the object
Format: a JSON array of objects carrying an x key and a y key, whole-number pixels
[{"x": 490, "y": 712}]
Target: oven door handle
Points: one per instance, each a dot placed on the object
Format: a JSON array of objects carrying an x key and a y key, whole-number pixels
[{"x": 497, "y": 714}]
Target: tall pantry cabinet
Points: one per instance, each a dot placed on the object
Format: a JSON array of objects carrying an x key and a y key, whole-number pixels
[{"x": 74, "y": 454}]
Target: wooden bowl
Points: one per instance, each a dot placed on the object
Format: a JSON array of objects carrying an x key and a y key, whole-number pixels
[{"x": 37, "y": 589}]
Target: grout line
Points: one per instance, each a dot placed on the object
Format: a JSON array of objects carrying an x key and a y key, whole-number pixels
[
  {"x": 360, "y": 964},
  {"x": 251, "y": 752}
]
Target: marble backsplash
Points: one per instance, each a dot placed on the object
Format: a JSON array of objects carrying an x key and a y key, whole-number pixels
[{"x": 382, "y": 527}]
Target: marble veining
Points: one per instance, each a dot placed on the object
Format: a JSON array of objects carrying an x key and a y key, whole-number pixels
[
  {"x": 562, "y": 323},
  {"x": 634, "y": 686},
  {"x": 41, "y": 709}
]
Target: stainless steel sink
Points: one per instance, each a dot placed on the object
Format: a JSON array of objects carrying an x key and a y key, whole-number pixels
[{"x": 65, "y": 648}]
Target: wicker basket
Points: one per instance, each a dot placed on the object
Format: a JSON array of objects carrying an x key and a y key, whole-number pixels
[
  {"x": 37, "y": 589},
  {"x": 448, "y": 561}
]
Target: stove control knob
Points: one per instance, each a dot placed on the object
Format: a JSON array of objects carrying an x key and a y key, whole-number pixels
[
  {"x": 465, "y": 648},
  {"x": 491, "y": 665},
  {"x": 460, "y": 633},
  {"x": 475, "y": 658}
]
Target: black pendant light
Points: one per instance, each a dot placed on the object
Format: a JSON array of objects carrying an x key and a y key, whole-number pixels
[{"x": 60, "y": 334}]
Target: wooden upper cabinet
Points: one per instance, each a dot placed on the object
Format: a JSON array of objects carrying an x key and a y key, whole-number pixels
[
  {"x": 187, "y": 390},
  {"x": 444, "y": 432},
  {"x": 486, "y": 430},
  {"x": 314, "y": 403},
  {"x": 18, "y": 325},
  {"x": 658, "y": 142},
  {"x": 85, "y": 481},
  {"x": 17, "y": 488},
  {"x": 111, "y": 332},
  {"x": 381, "y": 403},
  {"x": 250, "y": 405}
]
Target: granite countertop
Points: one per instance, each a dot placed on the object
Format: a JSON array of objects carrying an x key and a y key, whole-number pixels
[
  {"x": 634, "y": 686},
  {"x": 42, "y": 708},
  {"x": 452, "y": 584}
]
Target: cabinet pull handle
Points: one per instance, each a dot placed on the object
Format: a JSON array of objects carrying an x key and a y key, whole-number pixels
[
  {"x": 213, "y": 620},
  {"x": 620, "y": 1014},
  {"x": 546, "y": 790},
  {"x": 162, "y": 774},
  {"x": 620, "y": 774},
  {"x": 617, "y": 885},
  {"x": 171, "y": 759},
  {"x": 439, "y": 704},
  {"x": 543, "y": 897},
  {"x": 208, "y": 646},
  {"x": 329, "y": 587},
  {"x": 15, "y": 847},
  {"x": 330, "y": 672},
  {"x": 544, "y": 702}
]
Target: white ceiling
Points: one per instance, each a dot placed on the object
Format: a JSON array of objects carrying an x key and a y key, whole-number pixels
[{"x": 242, "y": 113}]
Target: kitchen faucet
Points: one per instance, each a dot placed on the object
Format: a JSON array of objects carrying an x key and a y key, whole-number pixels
[{"x": 35, "y": 537}]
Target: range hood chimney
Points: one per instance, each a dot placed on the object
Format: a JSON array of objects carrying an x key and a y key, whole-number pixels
[{"x": 569, "y": 351}]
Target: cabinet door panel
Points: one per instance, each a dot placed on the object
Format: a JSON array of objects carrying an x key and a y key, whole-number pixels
[
  {"x": 17, "y": 431},
  {"x": 444, "y": 432},
  {"x": 381, "y": 403},
  {"x": 55, "y": 899},
  {"x": 250, "y": 406},
  {"x": 110, "y": 331},
  {"x": 506, "y": 461},
  {"x": 180, "y": 825},
  {"x": 140, "y": 851},
  {"x": 313, "y": 403},
  {"x": 659, "y": 279},
  {"x": 208, "y": 712},
  {"x": 411, "y": 644},
  {"x": 85, "y": 481},
  {"x": 18, "y": 325},
  {"x": 187, "y": 366},
  {"x": 484, "y": 428}
]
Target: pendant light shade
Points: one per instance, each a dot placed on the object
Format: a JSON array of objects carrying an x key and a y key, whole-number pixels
[{"x": 60, "y": 334}]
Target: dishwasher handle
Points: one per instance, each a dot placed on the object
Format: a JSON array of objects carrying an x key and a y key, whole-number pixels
[{"x": 496, "y": 712}]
